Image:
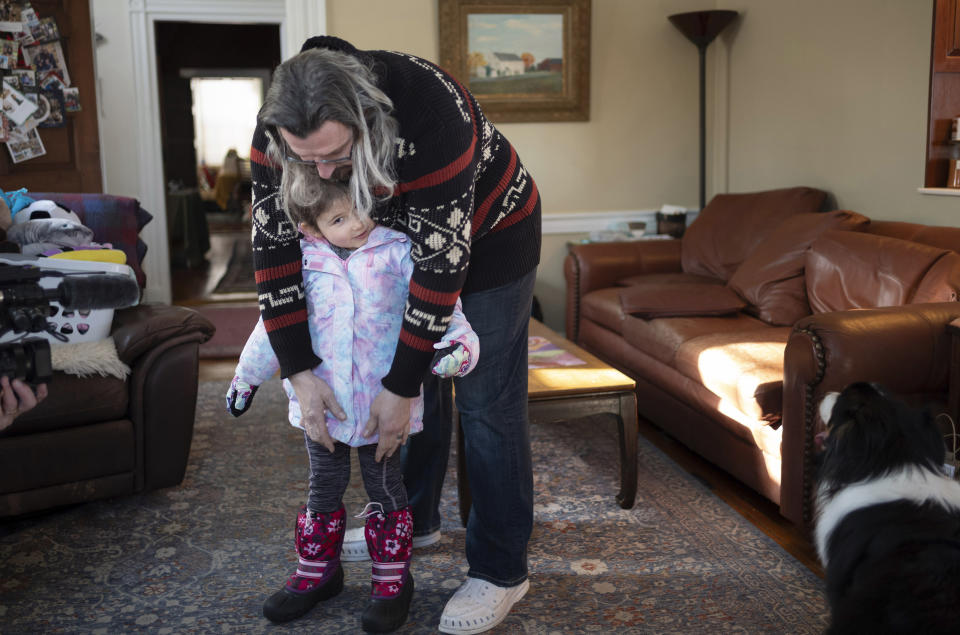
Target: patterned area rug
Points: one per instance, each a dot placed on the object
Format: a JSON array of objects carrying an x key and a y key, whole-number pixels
[
  {"x": 201, "y": 557},
  {"x": 238, "y": 278},
  {"x": 234, "y": 323}
]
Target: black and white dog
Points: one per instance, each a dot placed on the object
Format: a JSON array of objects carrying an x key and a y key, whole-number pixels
[{"x": 888, "y": 522}]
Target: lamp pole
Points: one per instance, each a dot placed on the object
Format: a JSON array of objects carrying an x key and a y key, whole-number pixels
[{"x": 701, "y": 27}]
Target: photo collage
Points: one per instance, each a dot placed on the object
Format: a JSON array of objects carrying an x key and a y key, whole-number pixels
[{"x": 36, "y": 89}]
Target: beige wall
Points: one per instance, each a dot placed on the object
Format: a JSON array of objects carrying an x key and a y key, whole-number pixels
[
  {"x": 827, "y": 93},
  {"x": 637, "y": 151},
  {"x": 833, "y": 94}
]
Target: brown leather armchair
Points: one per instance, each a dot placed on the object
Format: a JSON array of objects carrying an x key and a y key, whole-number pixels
[{"x": 98, "y": 437}]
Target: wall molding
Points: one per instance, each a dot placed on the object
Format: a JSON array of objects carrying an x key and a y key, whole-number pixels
[{"x": 580, "y": 222}]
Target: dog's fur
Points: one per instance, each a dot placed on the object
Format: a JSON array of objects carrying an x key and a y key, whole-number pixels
[{"x": 888, "y": 522}]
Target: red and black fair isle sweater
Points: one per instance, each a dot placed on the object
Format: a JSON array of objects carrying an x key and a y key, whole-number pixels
[{"x": 470, "y": 208}]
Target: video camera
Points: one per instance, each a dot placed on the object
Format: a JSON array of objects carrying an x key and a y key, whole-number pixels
[{"x": 26, "y": 305}]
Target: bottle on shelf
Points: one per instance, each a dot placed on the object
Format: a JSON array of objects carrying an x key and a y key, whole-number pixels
[{"x": 953, "y": 178}]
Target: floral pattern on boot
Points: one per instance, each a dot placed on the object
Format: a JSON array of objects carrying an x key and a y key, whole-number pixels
[
  {"x": 318, "y": 540},
  {"x": 390, "y": 543}
]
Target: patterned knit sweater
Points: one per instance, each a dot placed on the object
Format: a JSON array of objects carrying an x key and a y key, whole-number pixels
[{"x": 470, "y": 208}]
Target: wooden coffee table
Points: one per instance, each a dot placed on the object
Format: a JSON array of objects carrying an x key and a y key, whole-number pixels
[{"x": 559, "y": 393}]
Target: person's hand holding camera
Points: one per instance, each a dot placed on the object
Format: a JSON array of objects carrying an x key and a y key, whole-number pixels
[{"x": 17, "y": 397}]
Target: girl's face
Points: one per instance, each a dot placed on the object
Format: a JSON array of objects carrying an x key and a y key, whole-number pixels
[{"x": 341, "y": 225}]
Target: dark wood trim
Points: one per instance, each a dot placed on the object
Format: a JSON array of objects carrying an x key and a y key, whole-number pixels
[
  {"x": 72, "y": 162},
  {"x": 944, "y": 103}
]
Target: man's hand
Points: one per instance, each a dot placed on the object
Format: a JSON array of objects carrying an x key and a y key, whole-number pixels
[
  {"x": 390, "y": 416},
  {"x": 16, "y": 398},
  {"x": 316, "y": 398}
]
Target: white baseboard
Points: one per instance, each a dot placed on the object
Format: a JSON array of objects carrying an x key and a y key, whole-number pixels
[{"x": 579, "y": 222}]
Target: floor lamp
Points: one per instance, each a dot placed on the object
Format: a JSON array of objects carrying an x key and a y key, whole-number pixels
[{"x": 701, "y": 27}]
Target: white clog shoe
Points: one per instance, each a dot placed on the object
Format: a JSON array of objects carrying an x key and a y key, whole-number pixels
[
  {"x": 355, "y": 545},
  {"x": 478, "y": 606}
]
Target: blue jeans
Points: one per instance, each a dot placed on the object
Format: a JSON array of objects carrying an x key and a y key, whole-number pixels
[{"x": 492, "y": 401}]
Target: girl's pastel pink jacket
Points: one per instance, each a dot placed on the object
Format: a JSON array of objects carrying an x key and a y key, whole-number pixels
[{"x": 355, "y": 310}]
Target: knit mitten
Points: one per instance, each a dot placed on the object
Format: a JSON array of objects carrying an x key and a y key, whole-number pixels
[
  {"x": 452, "y": 359},
  {"x": 240, "y": 396}
]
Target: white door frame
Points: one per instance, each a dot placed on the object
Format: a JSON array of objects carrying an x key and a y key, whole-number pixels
[{"x": 297, "y": 19}]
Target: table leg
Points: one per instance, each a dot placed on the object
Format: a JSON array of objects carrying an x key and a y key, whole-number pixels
[{"x": 628, "y": 450}]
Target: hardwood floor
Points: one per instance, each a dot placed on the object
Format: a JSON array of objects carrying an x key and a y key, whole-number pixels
[{"x": 193, "y": 286}]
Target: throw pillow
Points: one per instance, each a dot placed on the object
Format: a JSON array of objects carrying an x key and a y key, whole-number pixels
[
  {"x": 771, "y": 278},
  {"x": 855, "y": 270},
  {"x": 649, "y": 301},
  {"x": 731, "y": 226}
]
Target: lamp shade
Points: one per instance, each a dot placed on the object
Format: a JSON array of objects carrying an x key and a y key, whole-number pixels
[{"x": 701, "y": 27}]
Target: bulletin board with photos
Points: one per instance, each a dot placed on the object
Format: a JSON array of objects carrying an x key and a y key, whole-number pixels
[{"x": 36, "y": 88}]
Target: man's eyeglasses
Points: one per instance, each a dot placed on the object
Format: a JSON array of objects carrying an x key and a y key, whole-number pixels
[{"x": 289, "y": 158}]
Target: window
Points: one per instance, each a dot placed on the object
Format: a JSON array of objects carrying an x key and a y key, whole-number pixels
[{"x": 224, "y": 115}]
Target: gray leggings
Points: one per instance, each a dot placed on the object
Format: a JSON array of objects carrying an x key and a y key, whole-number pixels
[{"x": 330, "y": 473}]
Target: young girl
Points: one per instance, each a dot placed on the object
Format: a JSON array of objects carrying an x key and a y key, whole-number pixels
[{"x": 356, "y": 279}]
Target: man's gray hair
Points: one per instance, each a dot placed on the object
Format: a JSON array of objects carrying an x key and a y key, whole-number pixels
[{"x": 321, "y": 85}]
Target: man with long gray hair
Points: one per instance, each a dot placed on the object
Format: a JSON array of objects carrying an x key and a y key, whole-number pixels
[{"x": 419, "y": 156}]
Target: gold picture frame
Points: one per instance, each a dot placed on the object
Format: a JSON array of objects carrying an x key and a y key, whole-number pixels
[{"x": 524, "y": 61}]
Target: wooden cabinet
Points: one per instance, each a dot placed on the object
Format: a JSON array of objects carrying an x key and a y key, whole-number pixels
[
  {"x": 72, "y": 162},
  {"x": 944, "y": 90},
  {"x": 946, "y": 36}
]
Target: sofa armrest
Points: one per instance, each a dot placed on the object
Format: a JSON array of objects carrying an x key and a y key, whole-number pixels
[
  {"x": 138, "y": 329},
  {"x": 592, "y": 266},
  {"x": 905, "y": 348},
  {"x": 161, "y": 344}
]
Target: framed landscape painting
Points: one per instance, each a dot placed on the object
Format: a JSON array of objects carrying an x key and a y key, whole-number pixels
[{"x": 527, "y": 60}]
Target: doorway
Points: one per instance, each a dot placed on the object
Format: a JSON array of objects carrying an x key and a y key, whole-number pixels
[{"x": 206, "y": 145}]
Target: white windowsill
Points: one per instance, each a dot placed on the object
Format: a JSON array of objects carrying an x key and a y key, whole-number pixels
[{"x": 939, "y": 191}]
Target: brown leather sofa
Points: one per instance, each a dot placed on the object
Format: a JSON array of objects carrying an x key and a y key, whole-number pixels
[
  {"x": 735, "y": 331},
  {"x": 99, "y": 437}
]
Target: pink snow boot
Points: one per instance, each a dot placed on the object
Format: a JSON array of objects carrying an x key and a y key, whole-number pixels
[
  {"x": 319, "y": 575},
  {"x": 389, "y": 541}
]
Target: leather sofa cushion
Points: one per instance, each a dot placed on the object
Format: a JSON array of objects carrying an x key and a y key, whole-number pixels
[
  {"x": 603, "y": 306},
  {"x": 74, "y": 401},
  {"x": 731, "y": 226},
  {"x": 677, "y": 277},
  {"x": 743, "y": 368},
  {"x": 661, "y": 338},
  {"x": 852, "y": 270},
  {"x": 655, "y": 300},
  {"x": 771, "y": 278},
  {"x": 942, "y": 281},
  {"x": 35, "y": 461}
]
